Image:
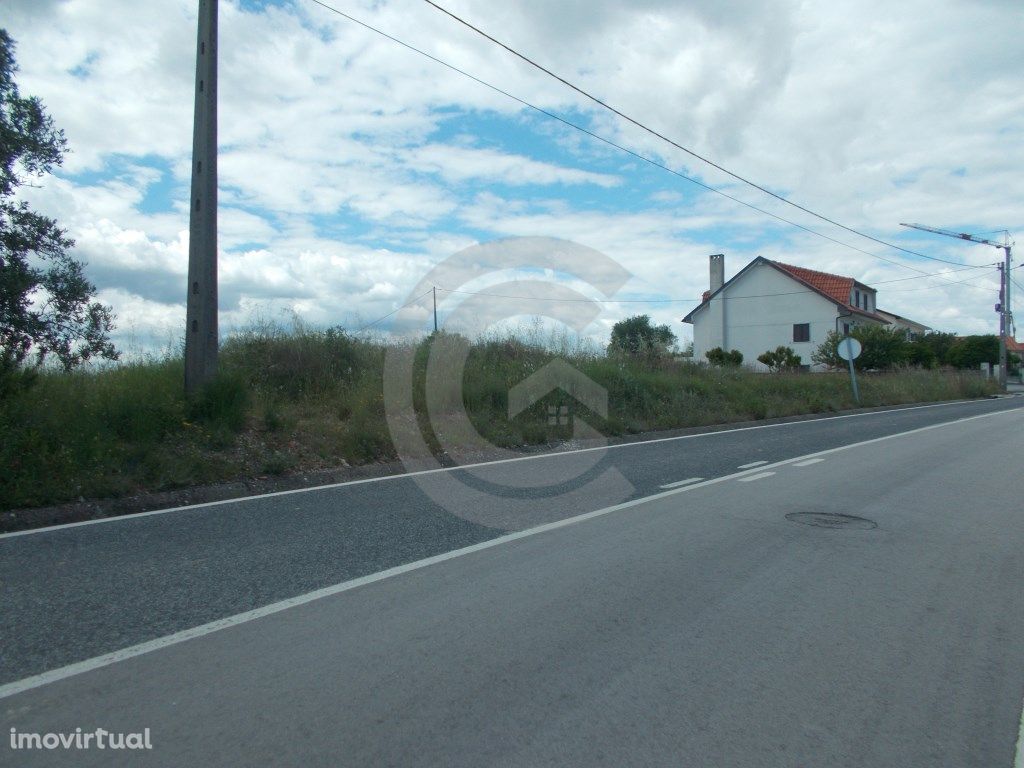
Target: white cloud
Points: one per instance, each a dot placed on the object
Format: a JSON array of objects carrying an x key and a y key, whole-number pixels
[{"x": 349, "y": 165}]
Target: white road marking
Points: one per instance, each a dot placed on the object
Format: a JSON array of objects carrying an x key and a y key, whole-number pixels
[
  {"x": 759, "y": 476},
  {"x": 807, "y": 463},
  {"x": 1018, "y": 762},
  {"x": 751, "y": 465},
  {"x": 61, "y": 673},
  {"x": 532, "y": 457},
  {"x": 681, "y": 482}
]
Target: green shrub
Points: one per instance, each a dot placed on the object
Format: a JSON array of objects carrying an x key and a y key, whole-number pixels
[
  {"x": 781, "y": 359},
  {"x": 719, "y": 356}
]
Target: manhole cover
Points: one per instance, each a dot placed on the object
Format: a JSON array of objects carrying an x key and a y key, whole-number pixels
[{"x": 832, "y": 520}]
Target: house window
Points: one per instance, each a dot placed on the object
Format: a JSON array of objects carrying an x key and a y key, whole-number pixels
[
  {"x": 846, "y": 329},
  {"x": 801, "y": 332},
  {"x": 856, "y": 299}
]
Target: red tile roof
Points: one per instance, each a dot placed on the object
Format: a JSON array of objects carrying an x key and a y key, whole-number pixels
[
  {"x": 1012, "y": 345},
  {"x": 835, "y": 287}
]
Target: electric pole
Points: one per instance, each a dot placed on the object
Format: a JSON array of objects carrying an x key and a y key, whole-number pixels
[
  {"x": 1003, "y": 307},
  {"x": 201, "y": 338},
  {"x": 435, "y": 309}
]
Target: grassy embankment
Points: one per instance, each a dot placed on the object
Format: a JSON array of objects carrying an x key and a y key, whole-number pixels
[{"x": 291, "y": 400}]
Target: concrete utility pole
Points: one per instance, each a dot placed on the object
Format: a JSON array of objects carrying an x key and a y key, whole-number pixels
[
  {"x": 201, "y": 338},
  {"x": 1003, "y": 307}
]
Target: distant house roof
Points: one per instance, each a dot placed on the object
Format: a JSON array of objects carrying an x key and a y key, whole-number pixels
[
  {"x": 1012, "y": 345},
  {"x": 835, "y": 288},
  {"x": 892, "y": 317}
]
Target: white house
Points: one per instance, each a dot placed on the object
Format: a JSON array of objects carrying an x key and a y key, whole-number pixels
[
  {"x": 911, "y": 328},
  {"x": 768, "y": 304}
]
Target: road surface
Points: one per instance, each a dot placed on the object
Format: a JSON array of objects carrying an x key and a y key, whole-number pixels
[{"x": 701, "y": 626}]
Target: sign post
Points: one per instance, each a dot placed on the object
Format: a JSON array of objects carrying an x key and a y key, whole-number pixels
[{"x": 849, "y": 349}]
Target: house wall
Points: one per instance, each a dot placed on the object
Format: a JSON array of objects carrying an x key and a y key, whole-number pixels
[
  {"x": 911, "y": 329},
  {"x": 756, "y": 325}
]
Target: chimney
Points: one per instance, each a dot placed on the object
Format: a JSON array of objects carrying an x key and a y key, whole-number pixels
[{"x": 716, "y": 261}]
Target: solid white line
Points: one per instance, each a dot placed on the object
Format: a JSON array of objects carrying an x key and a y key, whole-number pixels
[
  {"x": 681, "y": 482},
  {"x": 807, "y": 463},
  {"x": 751, "y": 465},
  {"x": 759, "y": 476},
  {"x": 532, "y": 457},
  {"x": 1018, "y": 761},
  {"x": 107, "y": 659}
]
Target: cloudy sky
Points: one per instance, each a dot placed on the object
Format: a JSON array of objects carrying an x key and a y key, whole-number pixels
[{"x": 350, "y": 166}]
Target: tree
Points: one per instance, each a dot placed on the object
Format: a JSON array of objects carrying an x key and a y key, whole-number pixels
[
  {"x": 719, "y": 356},
  {"x": 921, "y": 355},
  {"x": 45, "y": 306},
  {"x": 972, "y": 351},
  {"x": 939, "y": 343},
  {"x": 781, "y": 359},
  {"x": 636, "y": 336},
  {"x": 882, "y": 348}
]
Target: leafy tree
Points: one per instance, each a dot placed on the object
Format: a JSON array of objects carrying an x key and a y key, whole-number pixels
[
  {"x": 972, "y": 351},
  {"x": 939, "y": 343},
  {"x": 882, "y": 348},
  {"x": 719, "y": 356},
  {"x": 921, "y": 355},
  {"x": 780, "y": 359},
  {"x": 636, "y": 336},
  {"x": 45, "y": 305}
]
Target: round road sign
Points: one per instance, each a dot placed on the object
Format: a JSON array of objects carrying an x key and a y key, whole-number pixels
[{"x": 848, "y": 348}]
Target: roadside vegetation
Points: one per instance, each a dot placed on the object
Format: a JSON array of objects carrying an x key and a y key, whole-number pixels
[
  {"x": 291, "y": 399},
  {"x": 73, "y": 426}
]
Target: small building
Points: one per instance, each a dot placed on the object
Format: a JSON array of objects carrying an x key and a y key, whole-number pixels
[
  {"x": 913, "y": 330},
  {"x": 768, "y": 304}
]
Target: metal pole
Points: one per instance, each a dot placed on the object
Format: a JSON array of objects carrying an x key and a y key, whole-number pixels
[
  {"x": 435, "y": 309},
  {"x": 853, "y": 376},
  {"x": 201, "y": 337}
]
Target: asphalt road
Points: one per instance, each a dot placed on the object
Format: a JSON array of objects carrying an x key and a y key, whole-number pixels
[
  {"x": 701, "y": 627},
  {"x": 78, "y": 592}
]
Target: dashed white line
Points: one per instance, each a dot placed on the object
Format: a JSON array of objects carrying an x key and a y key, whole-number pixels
[
  {"x": 687, "y": 481},
  {"x": 751, "y": 465},
  {"x": 758, "y": 476},
  {"x": 807, "y": 463}
]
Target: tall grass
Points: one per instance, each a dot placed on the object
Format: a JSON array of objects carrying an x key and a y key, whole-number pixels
[{"x": 301, "y": 398}]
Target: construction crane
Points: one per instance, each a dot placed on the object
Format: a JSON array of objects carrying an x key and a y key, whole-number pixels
[{"x": 1003, "y": 307}]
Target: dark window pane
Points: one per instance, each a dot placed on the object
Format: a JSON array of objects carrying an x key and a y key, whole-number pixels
[{"x": 802, "y": 332}]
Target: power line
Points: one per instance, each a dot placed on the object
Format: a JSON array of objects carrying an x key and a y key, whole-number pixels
[
  {"x": 965, "y": 283},
  {"x": 618, "y": 146},
  {"x": 644, "y": 301},
  {"x": 934, "y": 274},
  {"x": 392, "y": 312},
  {"x": 701, "y": 300},
  {"x": 677, "y": 145}
]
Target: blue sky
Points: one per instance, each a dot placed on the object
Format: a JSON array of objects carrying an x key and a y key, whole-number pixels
[{"x": 349, "y": 166}]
